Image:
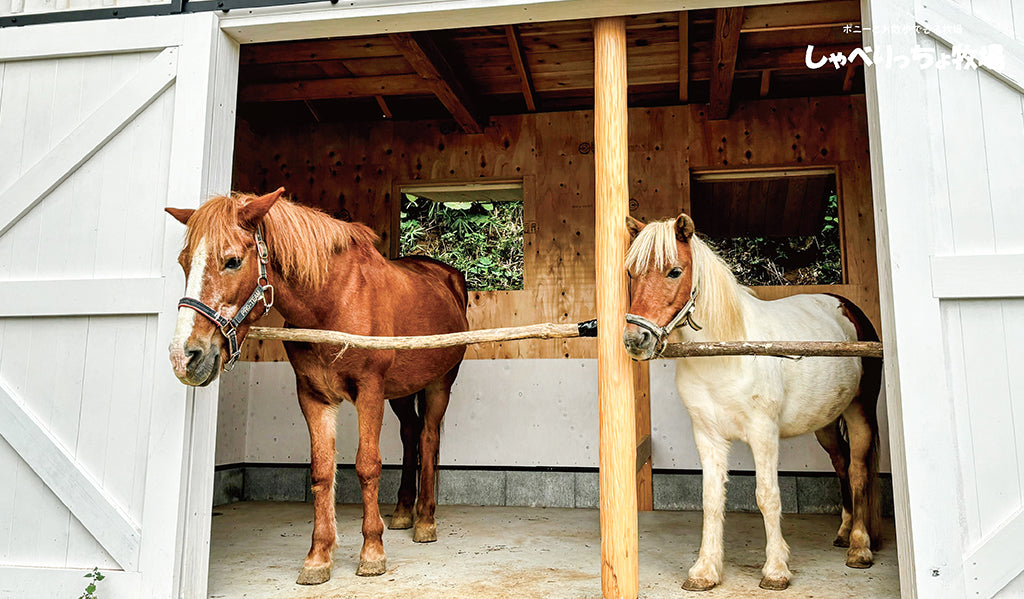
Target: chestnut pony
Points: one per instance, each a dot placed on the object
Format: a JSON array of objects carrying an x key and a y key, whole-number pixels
[
  {"x": 243, "y": 253},
  {"x": 680, "y": 282}
]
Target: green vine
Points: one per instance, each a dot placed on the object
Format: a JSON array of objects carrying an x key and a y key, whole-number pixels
[{"x": 90, "y": 591}]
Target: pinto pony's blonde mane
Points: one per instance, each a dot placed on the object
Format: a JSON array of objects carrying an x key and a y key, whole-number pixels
[
  {"x": 301, "y": 239},
  {"x": 718, "y": 304}
]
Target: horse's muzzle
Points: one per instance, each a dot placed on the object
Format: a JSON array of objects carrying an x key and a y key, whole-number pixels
[
  {"x": 195, "y": 366},
  {"x": 640, "y": 343}
]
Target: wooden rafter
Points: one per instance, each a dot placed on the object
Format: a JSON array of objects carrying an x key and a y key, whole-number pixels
[
  {"x": 766, "y": 81},
  {"x": 384, "y": 109},
  {"x": 425, "y": 57},
  {"x": 725, "y": 47},
  {"x": 684, "y": 56},
  {"x": 851, "y": 72},
  {"x": 345, "y": 87},
  {"x": 522, "y": 68}
]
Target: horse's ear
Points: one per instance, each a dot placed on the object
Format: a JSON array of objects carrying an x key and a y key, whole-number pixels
[
  {"x": 684, "y": 228},
  {"x": 181, "y": 214},
  {"x": 634, "y": 226},
  {"x": 255, "y": 210}
]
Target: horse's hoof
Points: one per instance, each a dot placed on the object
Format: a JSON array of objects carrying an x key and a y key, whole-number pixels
[
  {"x": 314, "y": 575},
  {"x": 859, "y": 558},
  {"x": 425, "y": 534},
  {"x": 372, "y": 568},
  {"x": 774, "y": 584},
  {"x": 841, "y": 542},
  {"x": 400, "y": 521},
  {"x": 698, "y": 584}
]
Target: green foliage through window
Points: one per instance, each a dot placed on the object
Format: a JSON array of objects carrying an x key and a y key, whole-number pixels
[
  {"x": 483, "y": 240},
  {"x": 801, "y": 260}
]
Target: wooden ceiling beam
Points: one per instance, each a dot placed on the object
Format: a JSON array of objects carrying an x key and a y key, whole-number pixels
[
  {"x": 515, "y": 45},
  {"x": 787, "y": 58},
  {"x": 725, "y": 47},
  {"x": 766, "y": 79},
  {"x": 425, "y": 57},
  {"x": 337, "y": 49},
  {"x": 811, "y": 15},
  {"x": 684, "y": 56},
  {"x": 347, "y": 87}
]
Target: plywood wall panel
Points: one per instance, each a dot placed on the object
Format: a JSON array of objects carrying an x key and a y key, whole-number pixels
[{"x": 356, "y": 170}]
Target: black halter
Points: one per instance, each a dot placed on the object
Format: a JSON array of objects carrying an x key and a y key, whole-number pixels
[{"x": 229, "y": 328}]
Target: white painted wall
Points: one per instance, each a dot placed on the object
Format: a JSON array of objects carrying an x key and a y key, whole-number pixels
[{"x": 502, "y": 413}]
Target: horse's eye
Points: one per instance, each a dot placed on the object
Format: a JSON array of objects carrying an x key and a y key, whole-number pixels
[
  {"x": 233, "y": 264},
  {"x": 675, "y": 273}
]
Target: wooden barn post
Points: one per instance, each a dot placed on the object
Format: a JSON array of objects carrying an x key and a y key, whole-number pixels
[{"x": 619, "y": 536}]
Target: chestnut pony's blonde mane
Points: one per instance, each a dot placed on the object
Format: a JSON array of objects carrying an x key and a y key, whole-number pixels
[
  {"x": 301, "y": 239},
  {"x": 718, "y": 304}
]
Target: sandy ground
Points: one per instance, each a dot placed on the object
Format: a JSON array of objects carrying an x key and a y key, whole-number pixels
[{"x": 497, "y": 552}]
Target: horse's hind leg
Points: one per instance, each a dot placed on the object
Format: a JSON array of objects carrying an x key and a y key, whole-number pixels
[
  {"x": 411, "y": 426},
  {"x": 321, "y": 417},
  {"x": 437, "y": 395},
  {"x": 765, "y": 447},
  {"x": 831, "y": 438},
  {"x": 714, "y": 456},
  {"x": 863, "y": 435}
]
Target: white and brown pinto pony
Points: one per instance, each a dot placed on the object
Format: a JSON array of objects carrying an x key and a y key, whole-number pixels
[
  {"x": 243, "y": 253},
  {"x": 679, "y": 281}
]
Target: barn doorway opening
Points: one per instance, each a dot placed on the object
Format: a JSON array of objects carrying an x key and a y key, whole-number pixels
[{"x": 352, "y": 125}]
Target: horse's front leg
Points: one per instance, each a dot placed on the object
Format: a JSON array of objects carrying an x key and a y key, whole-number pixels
[
  {"x": 714, "y": 456},
  {"x": 370, "y": 410},
  {"x": 764, "y": 444},
  {"x": 321, "y": 417}
]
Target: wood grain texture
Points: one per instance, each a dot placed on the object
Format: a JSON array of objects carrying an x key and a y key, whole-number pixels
[
  {"x": 355, "y": 172},
  {"x": 537, "y": 331},
  {"x": 725, "y": 47},
  {"x": 619, "y": 527}
]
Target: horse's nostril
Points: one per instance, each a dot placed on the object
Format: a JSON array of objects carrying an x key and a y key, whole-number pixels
[{"x": 193, "y": 356}]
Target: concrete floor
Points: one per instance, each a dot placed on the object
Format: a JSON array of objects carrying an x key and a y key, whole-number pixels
[{"x": 497, "y": 552}]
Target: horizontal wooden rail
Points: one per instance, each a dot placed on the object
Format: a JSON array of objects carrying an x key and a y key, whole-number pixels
[
  {"x": 867, "y": 349},
  {"x": 795, "y": 349},
  {"x": 536, "y": 331}
]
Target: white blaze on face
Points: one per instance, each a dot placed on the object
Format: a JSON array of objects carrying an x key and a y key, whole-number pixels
[{"x": 187, "y": 316}]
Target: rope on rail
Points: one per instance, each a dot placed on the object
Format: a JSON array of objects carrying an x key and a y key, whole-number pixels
[{"x": 869, "y": 349}]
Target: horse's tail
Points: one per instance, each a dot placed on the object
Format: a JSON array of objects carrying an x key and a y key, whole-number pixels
[{"x": 870, "y": 387}]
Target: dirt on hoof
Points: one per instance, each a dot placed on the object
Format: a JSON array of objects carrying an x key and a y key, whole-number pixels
[
  {"x": 698, "y": 584},
  {"x": 774, "y": 584},
  {"x": 841, "y": 542},
  {"x": 425, "y": 534},
  {"x": 314, "y": 575},
  {"x": 859, "y": 558},
  {"x": 374, "y": 568}
]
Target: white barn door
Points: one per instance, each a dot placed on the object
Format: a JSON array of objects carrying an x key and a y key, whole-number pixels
[
  {"x": 949, "y": 192},
  {"x": 105, "y": 458}
]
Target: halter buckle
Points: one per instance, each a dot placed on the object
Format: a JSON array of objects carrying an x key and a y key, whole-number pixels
[{"x": 268, "y": 291}]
